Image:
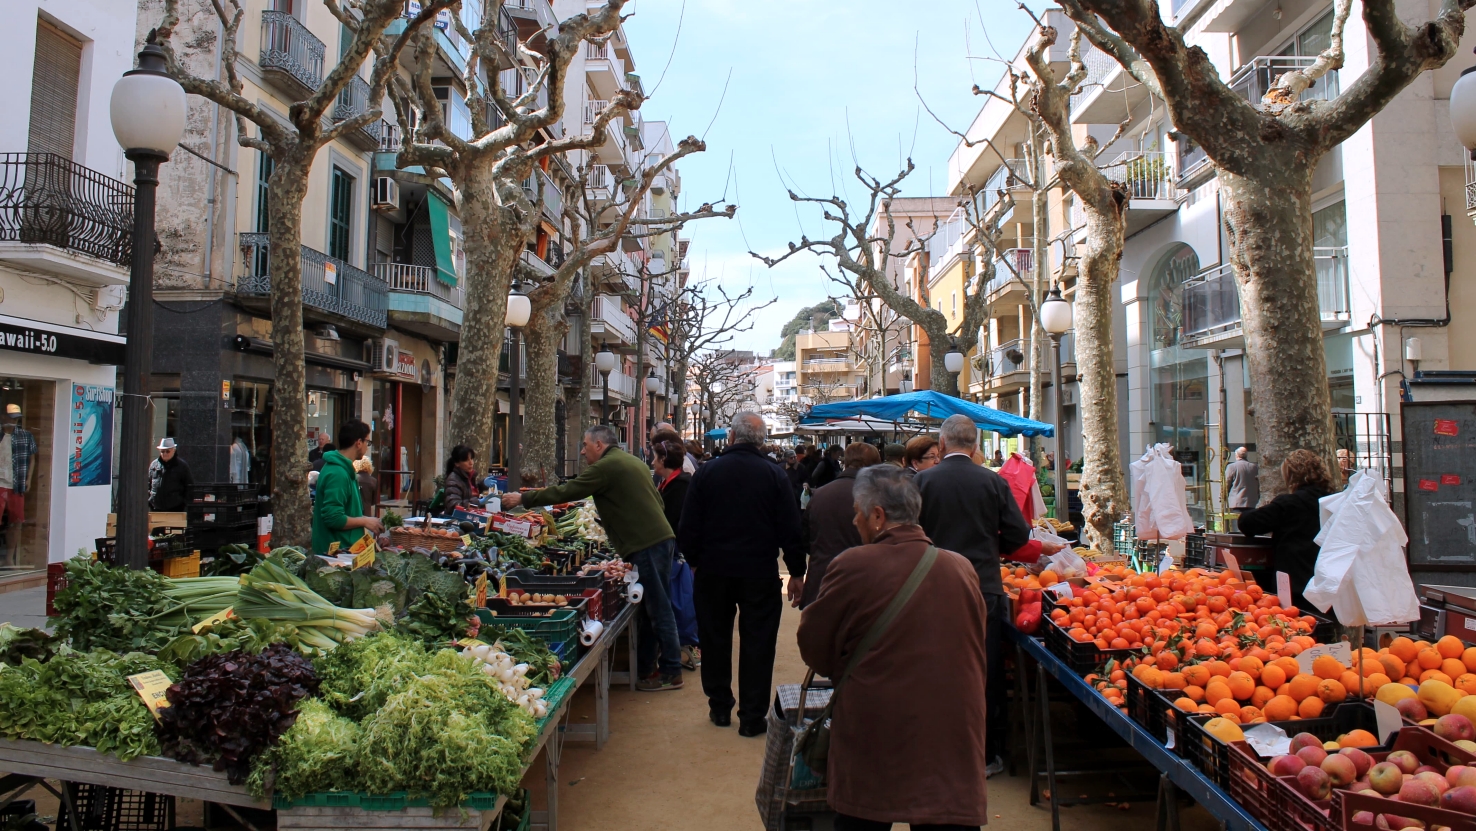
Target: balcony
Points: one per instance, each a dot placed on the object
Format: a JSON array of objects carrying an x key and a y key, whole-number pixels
[
  {"x": 622, "y": 387},
  {"x": 420, "y": 301},
  {"x": 1108, "y": 94},
  {"x": 1012, "y": 272},
  {"x": 605, "y": 71},
  {"x": 58, "y": 217},
  {"x": 1003, "y": 368},
  {"x": 1012, "y": 177},
  {"x": 1149, "y": 180},
  {"x": 541, "y": 267},
  {"x": 332, "y": 290},
  {"x": 826, "y": 365},
  {"x": 1254, "y": 79},
  {"x": 291, "y": 58},
  {"x": 609, "y": 322},
  {"x": 354, "y": 101},
  {"x": 945, "y": 244},
  {"x": 552, "y": 198},
  {"x": 612, "y": 152},
  {"x": 1212, "y": 301},
  {"x": 532, "y": 17}
]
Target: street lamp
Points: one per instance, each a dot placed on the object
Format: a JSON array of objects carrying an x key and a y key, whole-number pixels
[
  {"x": 1463, "y": 115},
  {"x": 652, "y": 384},
  {"x": 605, "y": 363},
  {"x": 1055, "y": 318},
  {"x": 953, "y": 361},
  {"x": 519, "y": 308},
  {"x": 148, "y": 115}
]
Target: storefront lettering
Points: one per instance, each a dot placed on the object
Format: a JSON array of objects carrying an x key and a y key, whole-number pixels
[
  {"x": 30, "y": 341},
  {"x": 99, "y": 348}
]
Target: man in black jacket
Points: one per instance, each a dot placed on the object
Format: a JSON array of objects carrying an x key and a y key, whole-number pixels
[
  {"x": 739, "y": 513},
  {"x": 169, "y": 479},
  {"x": 828, "y": 468},
  {"x": 969, "y": 509},
  {"x": 830, "y": 522}
]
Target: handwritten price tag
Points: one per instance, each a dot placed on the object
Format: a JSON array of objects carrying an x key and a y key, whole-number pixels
[
  {"x": 1283, "y": 589},
  {"x": 364, "y": 551},
  {"x": 466, "y": 539},
  {"x": 1341, "y": 651},
  {"x": 1388, "y": 718},
  {"x": 151, "y": 687},
  {"x": 1232, "y": 565},
  {"x": 220, "y": 616},
  {"x": 1061, "y": 590},
  {"x": 481, "y": 595}
]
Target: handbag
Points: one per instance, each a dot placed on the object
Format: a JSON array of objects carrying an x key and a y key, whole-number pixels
[{"x": 812, "y": 745}]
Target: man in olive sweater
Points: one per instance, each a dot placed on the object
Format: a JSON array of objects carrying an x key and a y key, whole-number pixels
[{"x": 635, "y": 521}]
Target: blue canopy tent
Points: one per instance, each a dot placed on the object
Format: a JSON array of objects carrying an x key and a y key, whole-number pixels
[
  {"x": 718, "y": 434},
  {"x": 929, "y": 404}
]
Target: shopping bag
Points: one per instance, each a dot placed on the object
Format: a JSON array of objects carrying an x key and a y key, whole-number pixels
[
  {"x": 682, "y": 604},
  {"x": 1066, "y": 563},
  {"x": 1361, "y": 573}
]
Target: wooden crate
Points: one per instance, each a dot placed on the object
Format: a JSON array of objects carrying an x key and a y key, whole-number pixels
[{"x": 157, "y": 519}]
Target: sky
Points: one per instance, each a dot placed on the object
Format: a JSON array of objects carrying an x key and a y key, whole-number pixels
[{"x": 793, "y": 93}]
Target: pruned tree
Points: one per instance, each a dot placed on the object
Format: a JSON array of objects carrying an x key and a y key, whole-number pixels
[
  {"x": 598, "y": 225},
  {"x": 705, "y": 317},
  {"x": 722, "y": 383},
  {"x": 1266, "y": 152},
  {"x": 292, "y": 146}
]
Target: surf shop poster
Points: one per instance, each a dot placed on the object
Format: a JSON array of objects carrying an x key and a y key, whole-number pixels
[{"x": 91, "y": 459}]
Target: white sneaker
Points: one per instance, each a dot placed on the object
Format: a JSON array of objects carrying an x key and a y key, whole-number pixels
[{"x": 994, "y": 768}]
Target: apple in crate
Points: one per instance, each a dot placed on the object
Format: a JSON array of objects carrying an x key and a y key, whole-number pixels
[
  {"x": 1340, "y": 769},
  {"x": 1286, "y": 765},
  {"x": 1461, "y": 798},
  {"x": 1418, "y": 792},
  {"x": 1406, "y": 762},
  {"x": 1386, "y": 778},
  {"x": 1455, "y": 728},
  {"x": 1315, "y": 783},
  {"x": 1361, "y": 760}
]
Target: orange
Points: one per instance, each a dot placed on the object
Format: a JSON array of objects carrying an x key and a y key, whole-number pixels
[
  {"x": 1289, "y": 666},
  {"x": 1280, "y": 708},
  {"x": 1358, "y": 738},
  {"x": 1466, "y": 683},
  {"x": 1273, "y": 676},
  {"x": 1469, "y": 659},
  {"x": 1151, "y": 678},
  {"x": 1241, "y": 685},
  {"x": 1227, "y": 706},
  {"x": 1372, "y": 683},
  {"x": 1326, "y": 666},
  {"x": 1194, "y": 693},
  {"x": 1208, "y": 708},
  {"x": 1188, "y": 705},
  {"x": 1173, "y": 680},
  {"x": 1450, "y": 646},
  {"x": 1249, "y": 714},
  {"x": 1049, "y": 578},
  {"x": 1219, "y": 668},
  {"x": 1436, "y": 675},
  {"x": 1232, "y": 716},
  {"x": 1393, "y": 667},
  {"x": 1301, "y": 687},
  {"x": 1403, "y": 648},
  {"x": 1429, "y": 659},
  {"x": 1261, "y": 696},
  {"x": 1350, "y": 681},
  {"x": 1251, "y": 666},
  {"x": 1453, "y": 667},
  {"x": 1197, "y": 674},
  {"x": 1311, "y": 707},
  {"x": 1331, "y": 691},
  {"x": 1216, "y": 692}
]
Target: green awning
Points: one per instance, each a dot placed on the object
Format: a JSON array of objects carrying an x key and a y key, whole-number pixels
[{"x": 441, "y": 236}]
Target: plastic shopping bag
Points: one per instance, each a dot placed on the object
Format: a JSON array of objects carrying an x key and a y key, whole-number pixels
[
  {"x": 1067, "y": 564},
  {"x": 682, "y": 604},
  {"x": 1160, "y": 506},
  {"x": 1361, "y": 573}
]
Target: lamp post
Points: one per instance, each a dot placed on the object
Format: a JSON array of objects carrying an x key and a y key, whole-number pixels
[
  {"x": 148, "y": 115},
  {"x": 605, "y": 363},
  {"x": 652, "y": 384},
  {"x": 1055, "y": 318},
  {"x": 953, "y": 361},
  {"x": 1463, "y": 115},
  {"x": 519, "y": 308},
  {"x": 706, "y": 426}
]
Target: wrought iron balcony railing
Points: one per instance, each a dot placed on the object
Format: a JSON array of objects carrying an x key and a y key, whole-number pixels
[
  {"x": 50, "y": 200},
  {"x": 418, "y": 279},
  {"x": 288, "y": 46},
  {"x": 328, "y": 284}
]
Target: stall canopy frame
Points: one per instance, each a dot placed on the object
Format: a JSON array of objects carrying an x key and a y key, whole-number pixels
[{"x": 929, "y": 404}]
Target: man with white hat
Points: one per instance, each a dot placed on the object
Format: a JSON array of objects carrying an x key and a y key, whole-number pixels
[
  {"x": 169, "y": 479},
  {"x": 17, "y": 448}
]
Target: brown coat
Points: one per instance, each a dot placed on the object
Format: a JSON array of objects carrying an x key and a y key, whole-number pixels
[
  {"x": 830, "y": 528},
  {"x": 907, "y": 742}
]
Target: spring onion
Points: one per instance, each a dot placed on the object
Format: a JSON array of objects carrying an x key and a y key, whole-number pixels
[{"x": 270, "y": 592}]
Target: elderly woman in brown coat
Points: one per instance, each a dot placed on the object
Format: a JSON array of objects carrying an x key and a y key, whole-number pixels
[{"x": 893, "y": 756}]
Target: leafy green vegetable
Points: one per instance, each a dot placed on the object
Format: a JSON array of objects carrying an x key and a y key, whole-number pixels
[
  {"x": 544, "y": 667},
  {"x": 17, "y": 643},
  {"x": 231, "y": 560},
  {"x": 107, "y": 607},
  {"x": 317, "y": 754},
  {"x": 359, "y": 676},
  {"x": 392, "y": 520},
  {"x": 80, "y": 698},
  {"x": 447, "y": 733},
  {"x": 331, "y": 582},
  {"x": 249, "y": 636},
  {"x": 374, "y": 588},
  {"x": 435, "y": 620}
]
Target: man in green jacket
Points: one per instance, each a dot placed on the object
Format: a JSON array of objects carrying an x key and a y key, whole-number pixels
[
  {"x": 635, "y": 521},
  {"x": 337, "y": 508}
]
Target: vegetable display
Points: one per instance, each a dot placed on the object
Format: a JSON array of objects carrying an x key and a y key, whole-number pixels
[
  {"x": 110, "y": 608},
  {"x": 80, "y": 698},
  {"x": 229, "y": 707},
  {"x": 318, "y": 753},
  {"x": 17, "y": 644},
  {"x": 511, "y": 677},
  {"x": 544, "y": 667},
  {"x": 271, "y": 592},
  {"x": 436, "y": 620}
]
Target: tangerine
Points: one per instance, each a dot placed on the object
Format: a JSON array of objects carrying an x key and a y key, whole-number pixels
[
  {"x": 1331, "y": 691},
  {"x": 1273, "y": 676},
  {"x": 1453, "y": 667},
  {"x": 1429, "y": 659},
  {"x": 1450, "y": 647},
  {"x": 1241, "y": 685},
  {"x": 1301, "y": 687},
  {"x": 1311, "y": 707},
  {"x": 1403, "y": 648},
  {"x": 1358, "y": 738},
  {"x": 1280, "y": 708},
  {"x": 1326, "y": 666}
]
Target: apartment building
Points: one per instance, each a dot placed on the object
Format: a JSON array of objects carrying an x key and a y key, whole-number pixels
[
  {"x": 825, "y": 367},
  {"x": 66, "y": 224}
]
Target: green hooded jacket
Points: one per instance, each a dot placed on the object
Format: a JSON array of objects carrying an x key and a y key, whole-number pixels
[{"x": 337, "y": 501}]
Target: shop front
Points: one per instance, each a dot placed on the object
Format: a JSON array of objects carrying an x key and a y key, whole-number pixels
[{"x": 405, "y": 413}]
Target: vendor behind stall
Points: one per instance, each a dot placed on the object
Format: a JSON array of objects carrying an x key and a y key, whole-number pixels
[
  {"x": 1292, "y": 519},
  {"x": 461, "y": 480}
]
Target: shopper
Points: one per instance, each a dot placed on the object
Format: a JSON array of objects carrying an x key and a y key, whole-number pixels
[
  {"x": 665, "y": 432},
  {"x": 1242, "y": 483},
  {"x": 969, "y": 508},
  {"x": 169, "y": 479},
  {"x": 829, "y": 524},
  {"x": 338, "y": 510},
  {"x": 740, "y": 513},
  {"x": 368, "y": 485},
  {"x": 828, "y": 467},
  {"x": 694, "y": 454},
  {"x": 460, "y": 490},
  {"x": 796, "y": 471},
  {"x": 672, "y": 481},
  {"x": 1292, "y": 519},
  {"x": 315, "y": 456},
  {"x": 891, "y": 759},
  {"x": 895, "y": 454},
  {"x": 922, "y": 453},
  {"x": 633, "y": 515}
]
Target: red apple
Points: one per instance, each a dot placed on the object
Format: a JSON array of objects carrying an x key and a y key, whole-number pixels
[
  {"x": 1466, "y": 776},
  {"x": 1436, "y": 780},
  {"x": 1302, "y": 740},
  {"x": 1412, "y": 709},
  {"x": 1286, "y": 765},
  {"x": 1312, "y": 755},
  {"x": 1386, "y": 778},
  {"x": 1363, "y": 818},
  {"x": 1407, "y": 762},
  {"x": 1360, "y": 786},
  {"x": 1426, "y": 769},
  {"x": 1340, "y": 769},
  {"x": 1419, "y": 792},
  {"x": 1462, "y": 798},
  {"x": 1361, "y": 761},
  {"x": 1454, "y": 728},
  {"x": 1315, "y": 783}
]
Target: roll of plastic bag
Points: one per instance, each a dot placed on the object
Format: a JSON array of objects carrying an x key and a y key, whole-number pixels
[
  {"x": 633, "y": 575},
  {"x": 591, "y": 632},
  {"x": 635, "y": 593}
]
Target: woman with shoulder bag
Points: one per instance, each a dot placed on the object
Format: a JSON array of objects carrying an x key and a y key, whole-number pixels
[{"x": 891, "y": 759}]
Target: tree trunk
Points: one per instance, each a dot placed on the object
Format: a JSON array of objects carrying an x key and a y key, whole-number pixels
[
  {"x": 541, "y": 337},
  {"x": 939, "y": 378},
  {"x": 1102, "y": 492},
  {"x": 1269, "y": 220},
  {"x": 292, "y": 509},
  {"x": 1039, "y": 278},
  {"x": 492, "y": 248}
]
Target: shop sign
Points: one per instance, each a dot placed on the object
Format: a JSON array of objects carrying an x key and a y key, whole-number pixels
[
  {"x": 405, "y": 365},
  {"x": 90, "y": 456},
  {"x": 21, "y": 335}
]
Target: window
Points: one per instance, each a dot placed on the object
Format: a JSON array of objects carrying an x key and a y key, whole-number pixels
[
  {"x": 340, "y": 214},
  {"x": 264, "y": 166},
  {"x": 955, "y": 304},
  {"x": 57, "y": 72}
]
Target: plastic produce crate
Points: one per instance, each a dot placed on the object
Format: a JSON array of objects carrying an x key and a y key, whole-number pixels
[
  {"x": 223, "y": 493},
  {"x": 103, "y": 808},
  {"x": 1212, "y": 756},
  {"x": 1346, "y": 805},
  {"x": 1152, "y": 709},
  {"x": 527, "y": 580},
  {"x": 182, "y": 566},
  {"x": 612, "y": 600},
  {"x": 215, "y": 515},
  {"x": 1080, "y": 657},
  {"x": 560, "y": 627},
  {"x": 1194, "y": 552},
  {"x": 1124, "y": 534}
]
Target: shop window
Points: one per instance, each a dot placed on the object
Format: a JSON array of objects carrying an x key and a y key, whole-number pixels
[
  {"x": 25, "y": 535},
  {"x": 1179, "y": 377},
  {"x": 251, "y": 432}
]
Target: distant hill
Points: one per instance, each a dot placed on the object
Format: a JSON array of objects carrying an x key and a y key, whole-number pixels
[{"x": 820, "y": 314}]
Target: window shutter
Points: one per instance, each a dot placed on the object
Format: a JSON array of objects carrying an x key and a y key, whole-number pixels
[{"x": 58, "y": 70}]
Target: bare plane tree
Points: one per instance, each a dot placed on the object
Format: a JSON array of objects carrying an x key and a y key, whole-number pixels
[
  {"x": 723, "y": 384},
  {"x": 1266, "y": 152},
  {"x": 704, "y": 318},
  {"x": 292, "y": 145}
]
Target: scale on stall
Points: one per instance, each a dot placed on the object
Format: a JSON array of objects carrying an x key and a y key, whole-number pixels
[{"x": 1447, "y": 610}]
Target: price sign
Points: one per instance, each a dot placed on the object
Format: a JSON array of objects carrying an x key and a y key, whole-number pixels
[
  {"x": 222, "y": 615},
  {"x": 333, "y": 548},
  {"x": 364, "y": 551},
  {"x": 1232, "y": 566},
  {"x": 1341, "y": 650},
  {"x": 501, "y": 586},
  {"x": 1061, "y": 590},
  {"x": 481, "y": 594},
  {"x": 1283, "y": 589},
  {"x": 151, "y": 687},
  {"x": 466, "y": 539},
  {"x": 1388, "y": 719},
  {"x": 468, "y": 642}
]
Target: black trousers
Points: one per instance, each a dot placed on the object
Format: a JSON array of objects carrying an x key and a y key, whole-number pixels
[
  {"x": 996, "y": 692},
  {"x": 757, "y": 603},
  {"x": 849, "y": 823}
]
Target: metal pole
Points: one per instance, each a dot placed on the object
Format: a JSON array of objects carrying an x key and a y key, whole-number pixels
[
  {"x": 605, "y": 399},
  {"x": 138, "y": 353},
  {"x": 514, "y": 419},
  {"x": 1063, "y": 503}
]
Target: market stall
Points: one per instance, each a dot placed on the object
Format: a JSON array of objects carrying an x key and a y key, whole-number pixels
[{"x": 334, "y": 689}]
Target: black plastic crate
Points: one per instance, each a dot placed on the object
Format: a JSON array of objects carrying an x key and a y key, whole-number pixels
[
  {"x": 1080, "y": 657},
  {"x": 103, "y": 808},
  {"x": 612, "y": 599},
  {"x": 211, "y": 538},
  {"x": 528, "y": 580},
  {"x": 1204, "y": 751},
  {"x": 1151, "y": 708},
  {"x": 214, "y": 515},
  {"x": 223, "y": 494},
  {"x": 1194, "y": 552},
  {"x": 1212, "y": 756}
]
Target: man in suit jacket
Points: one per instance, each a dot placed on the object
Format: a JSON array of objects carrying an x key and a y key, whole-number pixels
[{"x": 969, "y": 508}]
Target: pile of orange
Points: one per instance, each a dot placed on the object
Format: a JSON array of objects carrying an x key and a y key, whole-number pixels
[
  {"x": 1247, "y": 690},
  {"x": 1415, "y": 662}
]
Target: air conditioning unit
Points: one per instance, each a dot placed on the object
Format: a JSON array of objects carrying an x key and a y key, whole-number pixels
[
  {"x": 386, "y": 355},
  {"x": 386, "y": 194}
]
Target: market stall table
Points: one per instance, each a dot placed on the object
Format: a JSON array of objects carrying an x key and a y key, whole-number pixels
[{"x": 1176, "y": 773}]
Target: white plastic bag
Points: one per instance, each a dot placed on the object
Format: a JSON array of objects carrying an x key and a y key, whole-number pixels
[
  {"x": 1067, "y": 564},
  {"x": 1160, "y": 507},
  {"x": 1361, "y": 573}
]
